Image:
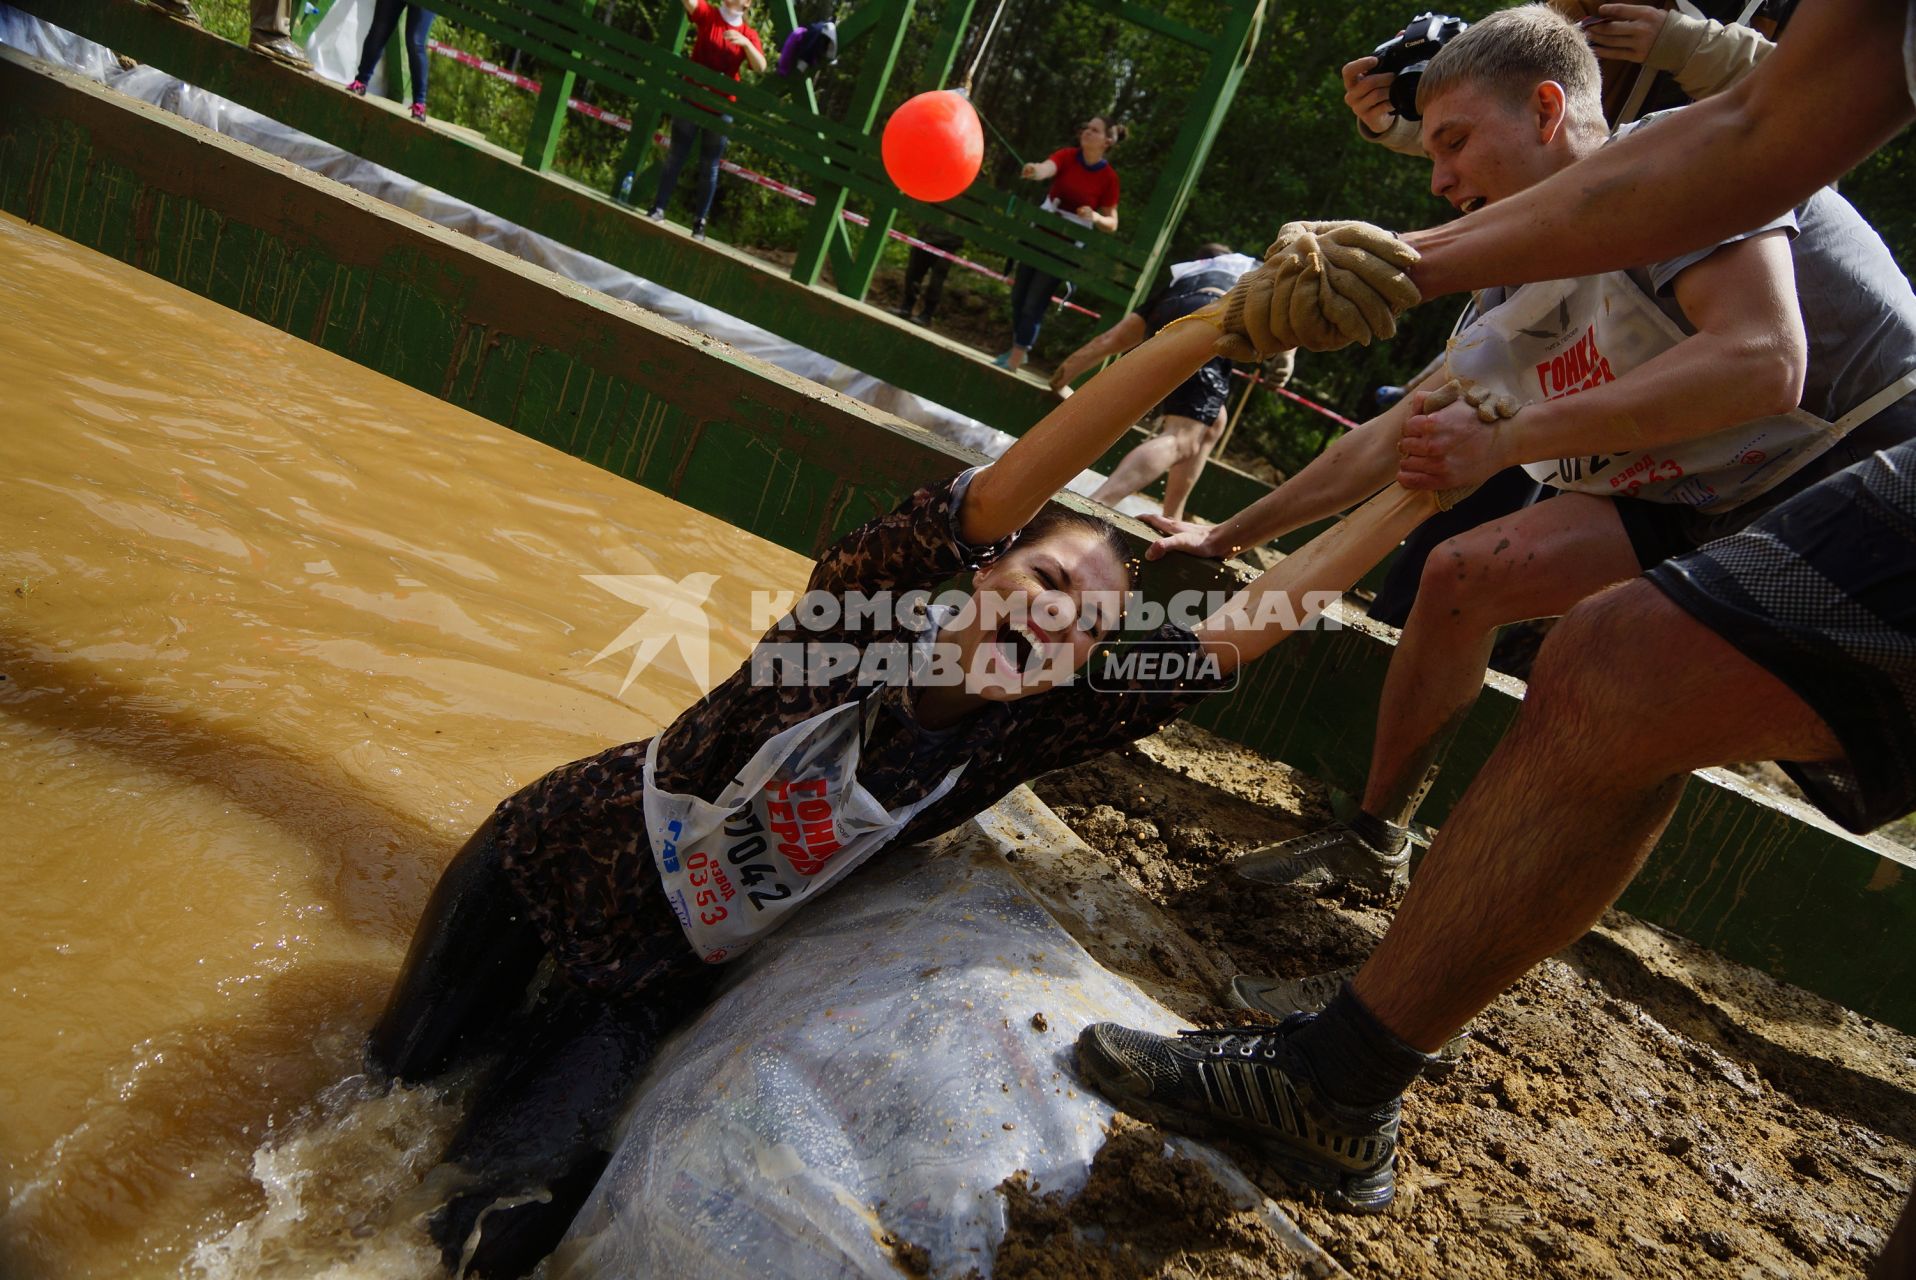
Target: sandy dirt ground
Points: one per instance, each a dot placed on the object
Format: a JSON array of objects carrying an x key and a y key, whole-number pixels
[{"x": 1636, "y": 1106}]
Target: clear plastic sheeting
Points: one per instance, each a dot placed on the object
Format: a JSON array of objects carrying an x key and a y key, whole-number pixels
[
  {"x": 333, "y": 56},
  {"x": 875, "y": 1070}
]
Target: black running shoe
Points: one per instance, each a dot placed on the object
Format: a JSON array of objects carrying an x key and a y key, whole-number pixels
[
  {"x": 1334, "y": 855},
  {"x": 1281, "y": 997},
  {"x": 1248, "y": 1082}
]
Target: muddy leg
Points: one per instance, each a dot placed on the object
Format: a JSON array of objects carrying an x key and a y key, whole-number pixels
[
  {"x": 1898, "y": 1261},
  {"x": 1566, "y": 808},
  {"x": 540, "y": 1125},
  {"x": 472, "y": 958}
]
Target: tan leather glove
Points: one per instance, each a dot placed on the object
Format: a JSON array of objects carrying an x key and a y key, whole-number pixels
[
  {"x": 1492, "y": 410},
  {"x": 1323, "y": 285}
]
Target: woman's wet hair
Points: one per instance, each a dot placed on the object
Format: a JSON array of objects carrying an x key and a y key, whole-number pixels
[{"x": 1056, "y": 520}]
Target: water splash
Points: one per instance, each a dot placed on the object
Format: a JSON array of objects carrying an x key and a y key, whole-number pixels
[{"x": 337, "y": 1184}]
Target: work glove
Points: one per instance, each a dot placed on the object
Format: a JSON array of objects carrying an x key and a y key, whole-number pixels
[{"x": 1323, "y": 285}]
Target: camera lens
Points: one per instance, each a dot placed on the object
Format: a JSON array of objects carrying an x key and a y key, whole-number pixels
[
  {"x": 1403, "y": 90},
  {"x": 1406, "y": 54}
]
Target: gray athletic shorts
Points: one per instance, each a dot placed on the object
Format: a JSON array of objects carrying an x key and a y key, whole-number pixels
[{"x": 1820, "y": 591}]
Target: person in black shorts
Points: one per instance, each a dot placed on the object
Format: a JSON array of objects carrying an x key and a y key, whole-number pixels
[
  {"x": 1191, "y": 419},
  {"x": 929, "y": 270}
]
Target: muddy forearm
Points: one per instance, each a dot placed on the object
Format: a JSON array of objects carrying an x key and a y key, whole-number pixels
[{"x": 1356, "y": 465}]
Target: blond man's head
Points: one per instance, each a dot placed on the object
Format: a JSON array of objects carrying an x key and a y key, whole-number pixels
[{"x": 1512, "y": 52}]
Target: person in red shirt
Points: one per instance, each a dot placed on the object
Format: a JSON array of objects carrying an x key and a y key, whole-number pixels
[
  {"x": 723, "y": 41},
  {"x": 1084, "y": 189}
]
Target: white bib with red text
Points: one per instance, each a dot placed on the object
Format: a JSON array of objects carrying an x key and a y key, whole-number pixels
[
  {"x": 794, "y": 820},
  {"x": 1559, "y": 337}
]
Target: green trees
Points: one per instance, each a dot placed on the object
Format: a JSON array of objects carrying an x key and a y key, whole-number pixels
[{"x": 1288, "y": 150}]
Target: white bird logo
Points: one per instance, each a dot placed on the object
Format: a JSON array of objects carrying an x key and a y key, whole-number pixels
[{"x": 674, "y": 613}]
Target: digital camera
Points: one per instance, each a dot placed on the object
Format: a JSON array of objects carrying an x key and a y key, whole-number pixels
[{"x": 1406, "y": 54}]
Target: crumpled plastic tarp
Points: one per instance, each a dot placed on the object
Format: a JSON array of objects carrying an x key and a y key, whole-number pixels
[
  {"x": 875, "y": 1068},
  {"x": 335, "y": 54}
]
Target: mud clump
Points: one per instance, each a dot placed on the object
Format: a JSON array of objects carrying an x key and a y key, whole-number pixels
[
  {"x": 912, "y": 1259},
  {"x": 1145, "y": 1213}
]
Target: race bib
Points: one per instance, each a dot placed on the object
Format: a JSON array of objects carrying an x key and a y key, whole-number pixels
[
  {"x": 794, "y": 821},
  {"x": 1560, "y": 338}
]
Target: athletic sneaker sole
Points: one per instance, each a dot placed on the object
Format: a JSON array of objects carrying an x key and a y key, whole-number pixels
[{"x": 1352, "y": 1192}]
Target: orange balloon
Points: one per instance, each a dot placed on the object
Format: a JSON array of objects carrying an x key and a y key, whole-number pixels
[{"x": 933, "y": 145}]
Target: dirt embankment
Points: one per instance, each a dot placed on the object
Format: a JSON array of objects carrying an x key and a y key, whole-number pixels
[{"x": 1635, "y": 1106}]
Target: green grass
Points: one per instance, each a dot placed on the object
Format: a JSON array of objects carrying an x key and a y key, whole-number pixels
[{"x": 230, "y": 18}]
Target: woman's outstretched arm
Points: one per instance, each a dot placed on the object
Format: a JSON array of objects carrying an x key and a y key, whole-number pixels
[{"x": 1005, "y": 495}]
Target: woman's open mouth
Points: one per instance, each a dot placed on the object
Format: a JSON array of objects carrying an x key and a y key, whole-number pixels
[{"x": 1017, "y": 644}]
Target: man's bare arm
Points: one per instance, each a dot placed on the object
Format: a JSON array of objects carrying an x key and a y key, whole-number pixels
[
  {"x": 1355, "y": 466},
  {"x": 1115, "y": 341},
  {"x": 1745, "y": 361},
  {"x": 1833, "y": 92}
]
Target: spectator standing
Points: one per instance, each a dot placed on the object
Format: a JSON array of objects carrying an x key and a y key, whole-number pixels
[
  {"x": 385, "y": 22},
  {"x": 722, "y": 41},
  {"x": 1084, "y": 190},
  {"x": 930, "y": 270}
]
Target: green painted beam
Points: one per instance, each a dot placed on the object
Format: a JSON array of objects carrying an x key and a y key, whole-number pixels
[
  {"x": 795, "y": 463},
  {"x": 867, "y": 17},
  {"x": 1229, "y": 57},
  {"x": 884, "y": 23},
  {"x": 953, "y": 21},
  {"x": 650, "y": 112},
  {"x": 549, "y": 115},
  {"x": 1152, "y": 20}
]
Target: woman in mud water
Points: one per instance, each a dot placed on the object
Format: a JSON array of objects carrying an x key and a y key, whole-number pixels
[{"x": 639, "y": 870}]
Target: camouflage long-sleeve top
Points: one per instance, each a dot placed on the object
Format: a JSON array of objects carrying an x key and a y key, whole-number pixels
[{"x": 575, "y": 841}]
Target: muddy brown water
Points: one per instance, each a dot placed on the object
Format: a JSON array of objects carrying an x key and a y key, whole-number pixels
[{"x": 275, "y": 634}]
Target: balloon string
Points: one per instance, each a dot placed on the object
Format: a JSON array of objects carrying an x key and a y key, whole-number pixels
[
  {"x": 983, "y": 46},
  {"x": 1002, "y": 140}
]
